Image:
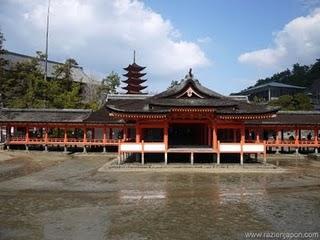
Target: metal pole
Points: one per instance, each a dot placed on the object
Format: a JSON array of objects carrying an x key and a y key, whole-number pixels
[{"x": 47, "y": 36}]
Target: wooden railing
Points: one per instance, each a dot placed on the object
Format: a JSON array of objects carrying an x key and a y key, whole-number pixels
[
  {"x": 61, "y": 141},
  {"x": 288, "y": 142}
]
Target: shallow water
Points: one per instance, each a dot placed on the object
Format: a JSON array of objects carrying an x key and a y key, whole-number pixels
[{"x": 168, "y": 205}]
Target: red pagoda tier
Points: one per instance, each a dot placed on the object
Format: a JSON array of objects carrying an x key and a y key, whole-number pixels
[{"x": 134, "y": 80}]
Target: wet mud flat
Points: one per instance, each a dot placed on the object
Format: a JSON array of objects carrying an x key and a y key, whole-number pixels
[{"x": 66, "y": 197}]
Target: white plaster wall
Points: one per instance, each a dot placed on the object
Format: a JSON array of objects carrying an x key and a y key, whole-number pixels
[
  {"x": 252, "y": 148},
  {"x": 154, "y": 147},
  {"x": 130, "y": 147},
  {"x": 229, "y": 148}
]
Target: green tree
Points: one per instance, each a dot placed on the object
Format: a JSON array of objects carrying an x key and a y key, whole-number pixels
[
  {"x": 95, "y": 94},
  {"x": 3, "y": 74},
  {"x": 25, "y": 87},
  {"x": 292, "y": 103},
  {"x": 258, "y": 100},
  {"x": 110, "y": 83},
  {"x": 63, "y": 73}
]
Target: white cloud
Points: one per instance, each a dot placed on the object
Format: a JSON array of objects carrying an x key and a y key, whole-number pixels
[
  {"x": 298, "y": 41},
  {"x": 102, "y": 34},
  {"x": 204, "y": 39}
]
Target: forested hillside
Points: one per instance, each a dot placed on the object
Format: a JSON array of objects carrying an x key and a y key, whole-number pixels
[
  {"x": 299, "y": 75},
  {"x": 24, "y": 86}
]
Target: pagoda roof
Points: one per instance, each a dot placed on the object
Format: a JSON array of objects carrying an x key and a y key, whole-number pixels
[
  {"x": 134, "y": 74},
  {"x": 189, "y": 93},
  {"x": 134, "y": 87},
  {"x": 134, "y": 81},
  {"x": 134, "y": 67}
]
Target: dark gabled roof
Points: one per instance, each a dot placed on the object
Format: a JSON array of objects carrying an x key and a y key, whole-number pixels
[
  {"x": 185, "y": 83},
  {"x": 102, "y": 116},
  {"x": 192, "y": 102},
  {"x": 270, "y": 84},
  {"x": 174, "y": 98},
  {"x": 134, "y": 106},
  {"x": 290, "y": 118},
  {"x": 43, "y": 115}
]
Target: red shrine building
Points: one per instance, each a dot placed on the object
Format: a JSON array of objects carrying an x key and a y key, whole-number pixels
[{"x": 187, "y": 122}]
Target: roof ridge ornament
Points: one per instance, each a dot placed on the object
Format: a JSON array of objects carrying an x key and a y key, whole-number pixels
[
  {"x": 189, "y": 75},
  {"x": 134, "y": 56}
]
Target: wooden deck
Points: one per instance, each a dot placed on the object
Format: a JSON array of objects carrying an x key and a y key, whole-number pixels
[{"x": 191, "y": 148}]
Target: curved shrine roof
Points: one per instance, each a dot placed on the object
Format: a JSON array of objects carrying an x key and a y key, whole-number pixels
[{"x": 189, "y": 93}]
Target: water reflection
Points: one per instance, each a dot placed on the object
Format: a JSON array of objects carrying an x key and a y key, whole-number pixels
[{"x": 167, "y": 206}]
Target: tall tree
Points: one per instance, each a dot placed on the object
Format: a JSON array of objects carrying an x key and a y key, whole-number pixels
[
  {"x": 68, "y": 93},
  {"x": 24, "y": 87},
  {"x": 292, "y": 103},
  {"x": 110, "y": 83},
  {"x": 63, "y": 73},
  {"x": 3, "y": 64}
]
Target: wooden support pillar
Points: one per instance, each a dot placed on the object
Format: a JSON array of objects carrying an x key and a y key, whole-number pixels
[
  {"x": 84, "y": 140},
  {"x": 104, "y": 138},
  {"x": 257, "y": 135},
  {"x": 243, "y": 135},
  {"x": 192, "y": 158},
  {"x": 264, "y": 153},
  {"x": 282, "y": 138},
  {"x": 65, "y": 139},
  {"x": 209, "y": 133},
  {"x": 296, "y": 136},
  {"x": 234, "y": 131},
  {"x": 165, "y": 136},
  {"x": 138, "y": 134},
  {"x": 119, "y": 154},
  {"x": 27, "y": 138},
  {"x": 277, "y": 141},
  {"x": 214, "y": 138},
  {"x": 27, "y": 135},
  {"x": 242, "y": 141},
  {"x": 218, "y": 153},
  {"x": 316, "y": 142},
  {"x": 125, "y": 133},
  {"x": 110, "y": 133},
  {"x": 241, "y": 152},
  {"x": 84, "y": 135},
  {"x": 46, "y": 130},
  {"x": 142, "y": 152},
  {"x": 218, "y": 158}
]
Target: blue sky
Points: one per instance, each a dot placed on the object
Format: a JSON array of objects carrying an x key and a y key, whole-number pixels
[{"x": 229, "y": 44}]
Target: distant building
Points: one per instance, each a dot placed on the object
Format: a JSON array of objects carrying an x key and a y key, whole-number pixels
[
  {"x": 270, "y": 91},
  {"x": 78, "y": 73},
  {"x": 315, "y": 93},
  {"x": 88, "y": 85}
]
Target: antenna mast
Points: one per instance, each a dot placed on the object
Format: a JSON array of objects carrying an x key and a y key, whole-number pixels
[{"x": 47, "y": 36}]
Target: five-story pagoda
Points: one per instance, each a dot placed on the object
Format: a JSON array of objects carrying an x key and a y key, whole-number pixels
[{"x": 134, "y": 76}]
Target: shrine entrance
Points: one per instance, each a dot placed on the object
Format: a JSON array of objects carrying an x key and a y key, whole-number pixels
[{"x": 185, "y": 134}]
